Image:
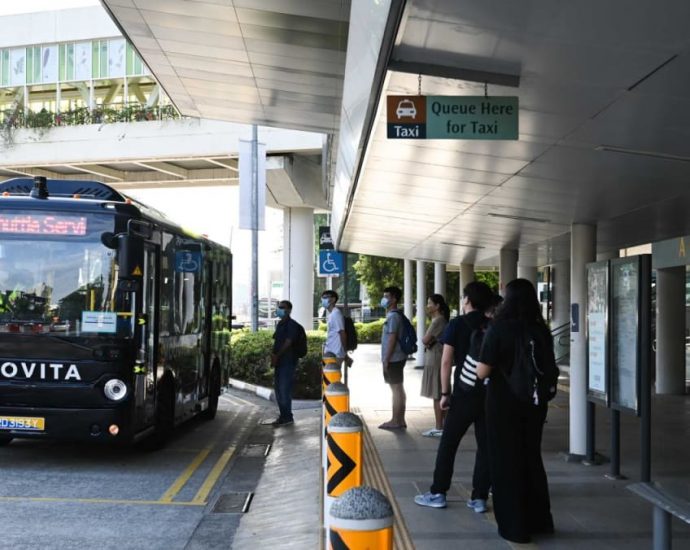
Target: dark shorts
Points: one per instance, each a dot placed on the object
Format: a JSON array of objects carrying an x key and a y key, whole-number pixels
[{"x": 395, "y": 372}]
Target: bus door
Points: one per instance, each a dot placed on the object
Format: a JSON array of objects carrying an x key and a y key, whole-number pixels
[
  {"x": 206, "y": 330},
  {"x": 145, "y": 367}
]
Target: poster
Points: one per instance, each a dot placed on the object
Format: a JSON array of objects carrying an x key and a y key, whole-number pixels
[
  {"x": 625, "y": 282},
  {"x": 597, "y": 330}
]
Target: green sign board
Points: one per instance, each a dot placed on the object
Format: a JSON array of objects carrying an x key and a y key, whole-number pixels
[{"x": 452, "y": 117}]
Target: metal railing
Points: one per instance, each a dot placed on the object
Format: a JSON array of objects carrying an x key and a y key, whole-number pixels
[{"x": 102, "y": 114}]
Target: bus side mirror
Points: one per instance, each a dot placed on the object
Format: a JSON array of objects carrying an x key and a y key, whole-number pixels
[{"x": 130, "y": 256}]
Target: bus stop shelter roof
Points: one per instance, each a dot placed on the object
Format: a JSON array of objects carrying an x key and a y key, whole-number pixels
[{"x": 604, "y": 112}]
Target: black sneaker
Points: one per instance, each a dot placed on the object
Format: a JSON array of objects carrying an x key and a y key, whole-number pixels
[{"x": 281, "y": 422}]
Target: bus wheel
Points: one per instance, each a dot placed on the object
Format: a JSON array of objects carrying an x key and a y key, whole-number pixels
[
  {"x": 165, "y": 417},
  {"x": 213, "y": 395},
  {"x": 5, "y": 440}
]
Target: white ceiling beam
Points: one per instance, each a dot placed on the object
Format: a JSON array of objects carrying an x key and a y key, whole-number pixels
[
  {"x": 165, "y": 168},
  {"x": 229, "y": 164},
  {"x": 31, "y": 172},
  {"x": 98, "y": 170}
]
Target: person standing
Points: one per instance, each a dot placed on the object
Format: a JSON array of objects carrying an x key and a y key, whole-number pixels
[
  {"x": 284, "y": 362},
  {"x": 520, "y": 489},
  {"x": 431, "y": 378},
  {"x": 465, "y": 407},
  {"x": 336, "y": 337},
  {"x": 393, "y": 357}
]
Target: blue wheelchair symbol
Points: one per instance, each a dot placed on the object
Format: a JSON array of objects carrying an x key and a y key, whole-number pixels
[
  {"x": 187, "y": 261},
  {"x": 330, "y": 262}
]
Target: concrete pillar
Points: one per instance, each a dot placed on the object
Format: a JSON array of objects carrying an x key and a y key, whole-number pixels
[
  {"x": 466, "y": 276},
  {"x": 507, "y": 268},
  {"x": 583, "y": 246},
  {"x": 528, "y": 272},
  {"x": 298, "y": 263},
  {"x": 560, "y": 277},
  {"x": 670, "y": 330},
  {"x": 407, "y": 289},
  {"x": 421, "y": 311},
  {"x": 440, "y": 278}
]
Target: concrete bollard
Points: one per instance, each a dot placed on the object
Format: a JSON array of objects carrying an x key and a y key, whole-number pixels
[
  {"x": 361, "y": 519},
  {"x": 330, "y": 373}
]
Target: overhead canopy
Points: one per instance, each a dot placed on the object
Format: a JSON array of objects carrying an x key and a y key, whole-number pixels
[
  {"x": 603, "y": 124},
  {"x": 269, "y": 62},
  {"x": 604, "y": 111}
]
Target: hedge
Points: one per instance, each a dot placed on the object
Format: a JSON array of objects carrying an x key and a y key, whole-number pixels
[{"x": 250, "y": 361}]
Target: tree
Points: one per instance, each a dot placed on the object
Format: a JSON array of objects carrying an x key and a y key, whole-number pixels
[
  {"x": 377, "y": 272},
  {"x": 488, "y": 277}
]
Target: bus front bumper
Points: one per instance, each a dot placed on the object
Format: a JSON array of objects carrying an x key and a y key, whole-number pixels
[{"x": 106, "y": 425}]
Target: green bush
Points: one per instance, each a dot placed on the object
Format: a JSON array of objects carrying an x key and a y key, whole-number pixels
[
  {"x": 369, "y": 333},
  {"x": 250, "y": 361}
]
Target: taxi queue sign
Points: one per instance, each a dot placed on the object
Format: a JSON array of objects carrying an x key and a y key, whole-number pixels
[
  {"x": 452, "y": 117},
  {"x": 361, "y": 519}
]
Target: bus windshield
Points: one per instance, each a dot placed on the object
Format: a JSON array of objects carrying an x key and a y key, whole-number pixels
[{"x": 58, "y": 283}]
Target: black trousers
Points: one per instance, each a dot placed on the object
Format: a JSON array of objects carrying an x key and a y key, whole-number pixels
[
  {"x": 520, "y": 489},
  {"x": 466, "y": 408}
]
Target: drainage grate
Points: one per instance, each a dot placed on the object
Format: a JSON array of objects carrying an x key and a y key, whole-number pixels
[
  {"x": 233, "y": 503},
  {"x": 256, "y": 450}
]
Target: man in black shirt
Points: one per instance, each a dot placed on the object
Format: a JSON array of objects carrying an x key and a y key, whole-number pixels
[
  {"x": 466, "y": 407},
  {"x": 284, "y": 362}
]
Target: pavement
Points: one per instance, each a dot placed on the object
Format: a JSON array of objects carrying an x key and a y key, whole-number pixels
[{"x": 590, "y": 511}]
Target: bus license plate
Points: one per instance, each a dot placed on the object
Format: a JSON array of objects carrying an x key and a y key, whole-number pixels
[{"x": 24, "y": 423}]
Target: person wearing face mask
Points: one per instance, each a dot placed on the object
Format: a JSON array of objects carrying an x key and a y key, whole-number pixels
[
  {"x": 284, "y": 362},
  {"x": 336, "y": 338},
  {"x": 465, "y": 407},
  {"x": 393, "y": 357},
  {"x": 439, "y": 312}
]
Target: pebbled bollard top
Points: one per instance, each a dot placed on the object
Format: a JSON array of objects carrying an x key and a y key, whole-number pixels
[{"x": 362, "y": 503}]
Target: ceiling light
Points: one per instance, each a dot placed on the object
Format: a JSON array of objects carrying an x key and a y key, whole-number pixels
[
  {"x": 519, "y": 218},
  {"x": 461, "y": 244},
  {"x": 653, "y": 154}
]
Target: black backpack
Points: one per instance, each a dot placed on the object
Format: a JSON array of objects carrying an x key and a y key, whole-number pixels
[
  {"x": 533, "y": 377},
  {"x": 408, "y": 336},
  {"x": 350, "y": 334},
  {"x": 300, "y": 344}
]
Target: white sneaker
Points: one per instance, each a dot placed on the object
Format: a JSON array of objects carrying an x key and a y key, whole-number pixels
[{"x": 433, "y": 432}]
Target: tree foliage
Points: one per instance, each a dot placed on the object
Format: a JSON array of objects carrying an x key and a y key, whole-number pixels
[{"x": 377, "y": 272}]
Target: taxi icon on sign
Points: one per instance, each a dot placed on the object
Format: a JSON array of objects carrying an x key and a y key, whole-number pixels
[{"x": 406, "y": 108}]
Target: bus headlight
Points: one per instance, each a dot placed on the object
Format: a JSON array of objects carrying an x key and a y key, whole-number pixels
[{"x": 115, "y": 389}]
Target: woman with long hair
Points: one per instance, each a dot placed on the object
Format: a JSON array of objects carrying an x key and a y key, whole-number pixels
[
  {"x": 514, "y": 428},
  {"x": 439, "y": 312}
]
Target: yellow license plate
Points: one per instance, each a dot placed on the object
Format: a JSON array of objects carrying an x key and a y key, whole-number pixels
[{"x": 24, "y": 423}]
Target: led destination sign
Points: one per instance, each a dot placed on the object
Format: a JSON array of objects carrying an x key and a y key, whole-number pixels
[{"x": 42, "y": 224}]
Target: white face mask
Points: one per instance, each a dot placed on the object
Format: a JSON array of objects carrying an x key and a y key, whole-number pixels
[
  {"x": 325, "y": 302},
  {"x": 385, "y": 302}
]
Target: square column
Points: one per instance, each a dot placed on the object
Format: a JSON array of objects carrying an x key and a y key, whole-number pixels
[
  {"x": 507, "y": 268},
  {"x": 466, "y": 276},
  {"x": 440, "y": 278},
  {"x": 407, "y": 289},
  {"x": 298, "y": 263},
  {"x": 583, "y": 247},
  {"x": 421, "y": 311},
  {"x": 670, "y": 330}
]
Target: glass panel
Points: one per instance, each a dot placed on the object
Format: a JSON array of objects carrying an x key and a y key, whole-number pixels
[
  {"x": 18, "y": 66},
  {"x": 49, "y": 64},
  {"x": 116, "y": 58},
  {"x": 82, "y": 61},
  {"x": 95, "y": 71},
  {"x": 63, "y": 282},
  {"x": 29, "y": 65},
  {"x": 5, "y": 67},
  {"x": 103, "y": 62},
  {"x": 130, "y": 59},
  {"x": 70, "y": 62},
  {"x": 62, "y": 62}
]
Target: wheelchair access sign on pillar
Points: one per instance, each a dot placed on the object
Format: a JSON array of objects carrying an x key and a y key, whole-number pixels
[{"x": 330, "y": 263}]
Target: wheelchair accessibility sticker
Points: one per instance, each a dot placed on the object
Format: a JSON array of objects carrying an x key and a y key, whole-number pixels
[
  {"x": 187, "y": 261},
  {"x": 330, "y": 263}
]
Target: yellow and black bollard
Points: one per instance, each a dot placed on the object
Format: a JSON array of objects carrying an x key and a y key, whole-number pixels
[
  {"x": 361, "y": 519},
  {"x": 344, "y": 458},
  {"x": 331, "y": 372},
  {"x": 336, "y": 400}
]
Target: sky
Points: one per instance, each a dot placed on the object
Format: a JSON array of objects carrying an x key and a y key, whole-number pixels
[{"x": 10, "y": 7}]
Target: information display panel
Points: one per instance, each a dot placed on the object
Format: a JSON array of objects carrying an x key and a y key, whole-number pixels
[
  {"x": 627, "y": 278},
  {"x": 598, "y": 379}
]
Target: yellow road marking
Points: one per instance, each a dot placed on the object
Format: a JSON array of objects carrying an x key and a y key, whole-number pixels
[
  {"x": 214, "y": 474},
  {"x": 98, "y": 501},
  {"x": 183, "y": 478}
]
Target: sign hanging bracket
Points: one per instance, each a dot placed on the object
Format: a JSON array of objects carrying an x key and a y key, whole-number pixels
[
  {"x": 419, "y": 84},
  {"x": 486, "y": 89}
]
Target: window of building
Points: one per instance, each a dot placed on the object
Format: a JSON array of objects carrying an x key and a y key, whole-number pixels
[
  {"x": 5, "y": 67},
  {"x": 33, "y": 65},
  {"x": 66, "y": 70},
  {"x": 99, "y": 59}
]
